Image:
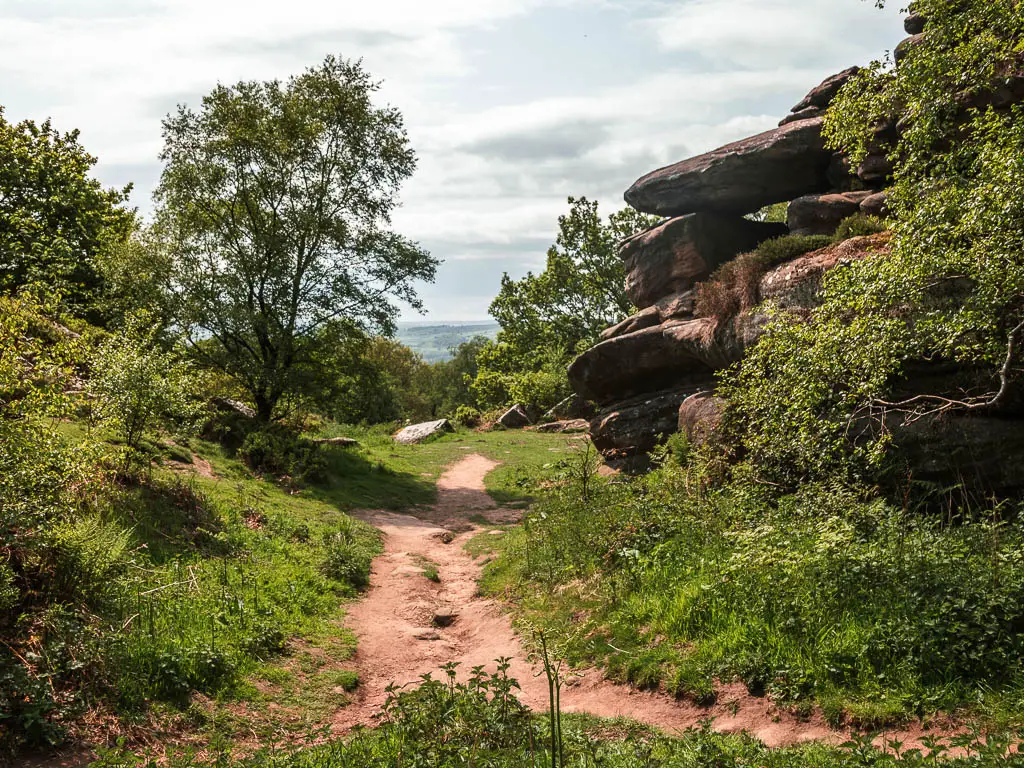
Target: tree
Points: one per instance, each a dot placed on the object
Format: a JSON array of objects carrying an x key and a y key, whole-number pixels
[
  {"x": 276, "y": 201},
  {"x": 56, "y": 223},
  {"x": 548, "y": 318},
  {"x": 950, "y": 289},
  {"x": 138, "y": 386}
]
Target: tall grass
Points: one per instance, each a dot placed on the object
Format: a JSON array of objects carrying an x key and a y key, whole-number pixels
[{"x": 876, "y": 613}]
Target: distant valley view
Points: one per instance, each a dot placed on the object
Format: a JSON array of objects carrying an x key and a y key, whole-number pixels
[{"x": 434, "y": 341}]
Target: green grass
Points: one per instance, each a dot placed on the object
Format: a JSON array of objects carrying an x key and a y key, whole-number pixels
[
  {"x": 824, "y": 599},
  {"x": 381, "y": 474}
]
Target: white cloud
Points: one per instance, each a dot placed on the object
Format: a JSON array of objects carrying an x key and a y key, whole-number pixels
[{"x": 497, "y": 159}]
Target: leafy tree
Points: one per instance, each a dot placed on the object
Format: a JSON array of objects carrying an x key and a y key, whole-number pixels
[
  {"x": 138, "y": 386},
  {"x": 56, "y": 223},
  {"x": 276, "y": 201},
  {"x": 548, "y": 318},
  {"x": 950, "y": 288}
]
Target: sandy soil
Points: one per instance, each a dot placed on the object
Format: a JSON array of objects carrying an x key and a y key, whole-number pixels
[{"x": 398, "y": 641}]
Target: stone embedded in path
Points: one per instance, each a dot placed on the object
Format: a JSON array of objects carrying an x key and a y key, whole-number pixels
[
  {"x": 672, "y": 257},
  {"x": 417, "y": 433},
  {"x": 773, "y": 167},
  {"x": 444, "y": 617}
]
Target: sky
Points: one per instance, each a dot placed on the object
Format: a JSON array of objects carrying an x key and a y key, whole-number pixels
[{"x": 511, "y": 105}]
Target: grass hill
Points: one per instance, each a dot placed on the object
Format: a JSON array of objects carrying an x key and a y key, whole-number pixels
[{"x": 434, "y": 341}]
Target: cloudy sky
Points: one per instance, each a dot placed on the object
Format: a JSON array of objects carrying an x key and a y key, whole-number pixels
[{"x": 511, "y": 105}]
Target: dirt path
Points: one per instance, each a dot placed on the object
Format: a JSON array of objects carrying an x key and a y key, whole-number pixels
[{"x": 398, "y": 640}]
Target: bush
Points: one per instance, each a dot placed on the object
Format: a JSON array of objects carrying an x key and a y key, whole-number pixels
[
  {"x": 735, "y": 286},
  {"x": 859, "y": 225},
  {"x": 279, "y": 451},
  {"x": 468, "y": 416},
  {"x": 348, "y": 554},
  {"x": 138, "y": 386}
]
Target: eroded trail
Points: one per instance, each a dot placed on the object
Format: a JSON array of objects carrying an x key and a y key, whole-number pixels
[{"x": 398, "y": 639}]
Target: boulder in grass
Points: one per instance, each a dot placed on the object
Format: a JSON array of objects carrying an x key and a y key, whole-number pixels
[
  {"x": 417, "y": 433},
  {"x": 699, "y": 416},
  {"x": 572, "y": 407},
  {"x": 515, "y": 417}
]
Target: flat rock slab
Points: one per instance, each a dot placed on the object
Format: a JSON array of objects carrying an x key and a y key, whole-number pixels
[
  {"x": 672, "y": 257},
  {"x": 565, "y": 427},
  {"x": 667, "y": 355},
  {"x": 341, "y": 442},
  {"x": 773, "y": 167},
  {"x": 417, "y": 433}
]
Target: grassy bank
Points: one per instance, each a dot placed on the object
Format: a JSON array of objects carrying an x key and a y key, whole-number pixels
[{"x": 873, "y": 613}]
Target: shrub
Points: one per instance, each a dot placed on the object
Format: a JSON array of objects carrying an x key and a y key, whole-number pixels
[
  {"x": 859, "y": 225},
  {"x": 138, "y": 386},
  {"x": 467, "y": 416},
  {"x": 277, "y": 450},
  {"x": 735, "y": 286}
]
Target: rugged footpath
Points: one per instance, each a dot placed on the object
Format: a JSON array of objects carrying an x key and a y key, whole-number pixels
[{"x": 400, "y": 640}]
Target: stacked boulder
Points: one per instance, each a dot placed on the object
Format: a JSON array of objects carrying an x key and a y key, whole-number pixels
[{"x": 646, "y": 367}]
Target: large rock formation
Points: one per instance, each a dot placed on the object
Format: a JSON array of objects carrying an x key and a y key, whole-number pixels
[
  {"x": 654, "y": 373},
  {"x": 772, "y": 167},
  {"x": 674, "y": 255}
]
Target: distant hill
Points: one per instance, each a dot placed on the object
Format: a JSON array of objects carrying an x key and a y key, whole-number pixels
[{"x": 433, "y": 341}]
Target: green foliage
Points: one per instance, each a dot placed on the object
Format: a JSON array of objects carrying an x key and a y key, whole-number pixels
[
  {"x": 822, "y": 595},
  {"x": 735, "y": 286},
  {"x": 280, "y": 451},
  {"x": 950, "y": 288},
  {"x": 138, "y": 386},
  {"x": 57, "y": 225},
  {"x": 481, "y": 723},
  {"x": 261, "y": 262},
  {"x": 859, "y": 225},
  {"x": 549, "y": 318}
]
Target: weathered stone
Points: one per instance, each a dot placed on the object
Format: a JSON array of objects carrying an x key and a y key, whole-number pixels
[
  {"x": 796, "y": 284},
  {"x": 876, "y": 204},
  {"x": 653, "y": 359},
  {"x": 227, "y": 404},
  {"x": 699, "y": 416},
  {"x": 821, "y": 214},
  {"x": 671, "y": 257},
  {"x": 568, "y": 426},
  {"x": 875, "y": 169},
  {"x": 772, "y": 167},
  {"x": 675, "y": 306},
  {"x": 444, "y": 617},
  {"x": 980, "y": 454},
  {"x": 572, "y": 407},
  {"x": 822, "y": 95},
  {"x": 673, "y": 354},
  {"x": 808, "y": 113},
  {"x": 634, "y": 427},
  {"x": 904, "y": 48},
  {"x": 417, "y": 433},
  {"x": 515, "y": 417},
  {"x": 914, "y": 24},
  {"x": 340, "y": 442},
  {"x": 645, "y": 318}
]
